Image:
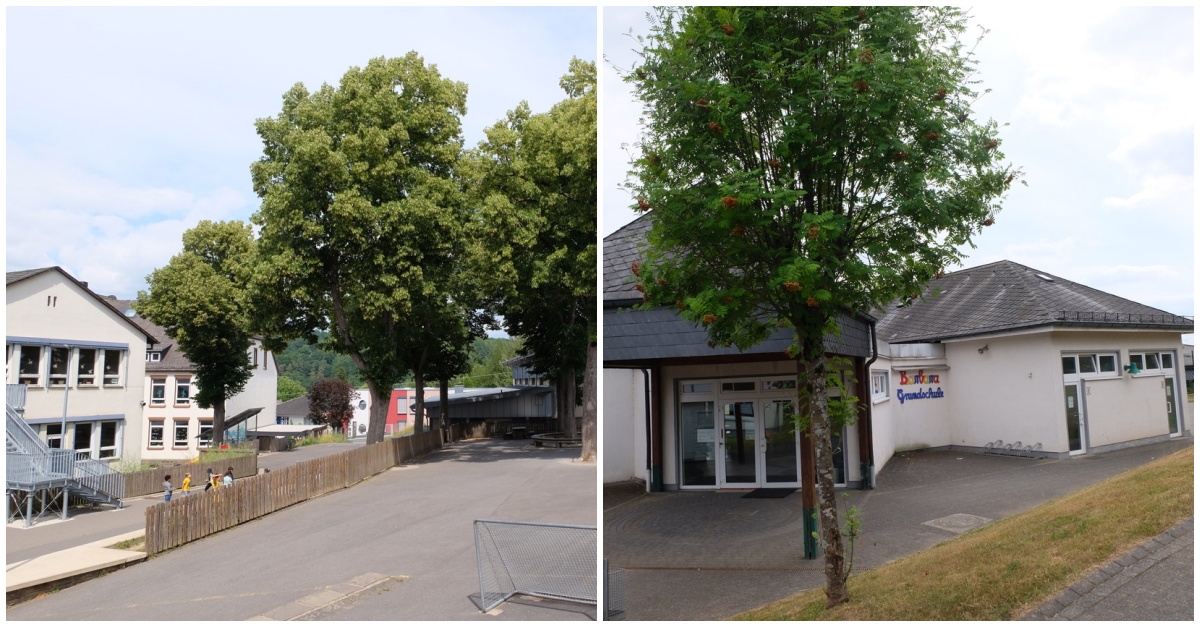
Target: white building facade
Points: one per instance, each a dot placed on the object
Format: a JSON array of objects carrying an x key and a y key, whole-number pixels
[{"x": 81, "y": 362}]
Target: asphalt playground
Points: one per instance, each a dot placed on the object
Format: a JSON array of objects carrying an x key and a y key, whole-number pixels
[
  {"x": 398, "y": 546},
  {"x": 691, "y": 555}
]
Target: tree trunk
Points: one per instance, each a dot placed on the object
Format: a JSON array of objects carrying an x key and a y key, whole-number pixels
[
  {"x": 815, "y": 384},
  {"x": 589, "y": 406},
  {"x": 379, "y": 410},
  {"x": 444, "y": 406},
  {"x": 218, "y": 435},
  {"x": 572, "y": 426},
  {"x": 419, "y": 404}
]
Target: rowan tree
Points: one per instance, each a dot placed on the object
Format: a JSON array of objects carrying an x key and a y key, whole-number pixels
[
  {"x": 362, "y": 217},
  {"x": 201, "y": 298},
  {"x": 803, "y": 162}
]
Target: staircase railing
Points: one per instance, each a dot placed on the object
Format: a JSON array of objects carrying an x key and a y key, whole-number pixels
[
  {"x": 100, "y": 477},
  {"x": 20, "y": 434}
]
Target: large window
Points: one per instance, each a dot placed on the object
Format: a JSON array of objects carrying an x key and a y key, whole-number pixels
[
  {"x": 60, "y": 357},
  {"x": 83, "y": 439},
  {"x": 206, "y": 432},
  {"x": 86, "y": 373},
  {"x": 181, "y": 434},
  {"x": 112, "y": 367},
  {"x": 54, "y": 436},
  {"x": 183, "y": 391},
  {"x": 1153, "y": 362},
  {"x": 30, "y": 369},
  {"x": 156, "y": 434},
  {"x": 108, "y": 440},
  {"x": 158, "y": 392}
]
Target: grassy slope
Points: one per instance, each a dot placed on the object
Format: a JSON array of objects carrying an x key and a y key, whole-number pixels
[{"x": 1009, "y": 567}]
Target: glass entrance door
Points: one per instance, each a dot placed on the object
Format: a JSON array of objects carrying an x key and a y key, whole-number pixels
[
  {"x": 699, "y": 440},
  {"x": 780, "y": 451},
  {"x": 740, "y": 443}
]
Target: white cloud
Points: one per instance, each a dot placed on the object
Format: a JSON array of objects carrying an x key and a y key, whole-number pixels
[{"x": 1168, "y": 189}]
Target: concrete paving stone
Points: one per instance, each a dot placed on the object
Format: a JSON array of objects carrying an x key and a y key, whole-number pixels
[
  {"x": 1139, "y": 552},
  {"x": 287, "y": 612},
  {"x": 345, "y": 588},
  {"x": 1071, "y": 612},
  {"x": 1112, "y": 569},
  {"x": 1097, "y": 577},
  {"x": 1082, "y": 587},
  {"x": 320, "y": 598},
  {"x": 367, "y": 579},
  {"x": 1068, "y": 597}
]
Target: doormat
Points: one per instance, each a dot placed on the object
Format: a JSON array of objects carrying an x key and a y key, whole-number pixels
[{"x": 768, "y": 493}]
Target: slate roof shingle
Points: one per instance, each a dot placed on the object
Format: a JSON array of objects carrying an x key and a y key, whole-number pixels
[{"x": 1007, "y": 296}]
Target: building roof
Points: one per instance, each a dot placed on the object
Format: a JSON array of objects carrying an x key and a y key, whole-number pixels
[
  {"x": 1007, "y": 296},
  {"x": 621, "y": 249},
  {"x": 476, "y": 395},
  {"x": 296, "y": 407},
  {"x": 173, "y": 359},
  {"x": 17, "y": 276}
]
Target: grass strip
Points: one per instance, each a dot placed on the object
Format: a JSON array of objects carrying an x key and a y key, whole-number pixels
[{"x": 1003, "y": 570}]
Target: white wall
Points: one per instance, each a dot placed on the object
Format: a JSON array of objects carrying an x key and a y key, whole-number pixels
[
  {"x": 75, "y": 315},
  {"x": 624, "y": 425}
]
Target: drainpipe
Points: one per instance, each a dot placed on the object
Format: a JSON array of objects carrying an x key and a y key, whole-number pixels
[
  {"x": 653, "y": 474},
  {"x": 867, "y": 466}
]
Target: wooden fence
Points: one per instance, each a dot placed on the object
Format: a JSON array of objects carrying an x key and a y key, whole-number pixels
[
  {"x": 183, "y": 520},
  {"x": 145, "y": 482}
]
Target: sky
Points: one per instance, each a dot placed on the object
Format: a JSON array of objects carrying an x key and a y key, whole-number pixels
[
  {"x": 1100, "y": 106},
  {"x": 127, "y": 126}
]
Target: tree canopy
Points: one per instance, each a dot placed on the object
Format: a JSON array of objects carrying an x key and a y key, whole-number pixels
[
  {"x": 330, "y": 403},
  {"x": 200, "y": 298},
  {"x": 802, "y": 162},
  {"x": 536, "y": 184},
  {"x": 362, "y": 217}
]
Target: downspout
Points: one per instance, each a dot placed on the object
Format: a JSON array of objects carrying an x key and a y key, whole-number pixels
[
  {"x": 649, "y": 432},
  {"x": 867, "y": 466}
]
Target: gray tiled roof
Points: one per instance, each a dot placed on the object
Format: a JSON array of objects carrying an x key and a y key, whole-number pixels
[
  {"x": 173, "y": 359},
  {"x": 621, "y": 249},
  {"x": 636, "y": 335},
  {"x": 18, "y": 275},
  {"x": 295, "y": 407},
  {"x": 1006, "y": 296}
]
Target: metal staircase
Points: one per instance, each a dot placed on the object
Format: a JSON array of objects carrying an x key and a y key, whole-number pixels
[{"x": 36, "y": 475}]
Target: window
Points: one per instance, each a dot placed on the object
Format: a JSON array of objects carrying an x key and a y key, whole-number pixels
[
  {"x": 694, "y": 388},
  {"x": 879, "y": 384},
  {"x": 30, "y": 370},
  {"x": 86, "y": 374},
  {"x": 1151, "y": 361},
  {"x": 154, "y": 356},
  {"x": 156, "y": 434},
  {"x": 1092, "y": 365},
  {"x": 112, "y": 367},
  {"x": 181, "y": 434},
  {"x": 60, "y": 357},
  {"x": 206, "y": 432},
  {"x": 738, "y": 386},
  {"x": 779, "y": 384},
  {"x": 183, "y": 390},
  {"x": 158, "y": 392},
  {"x": 83, "y": 440},
  {"x": 1168, "y": 361},
  {"x": 254, "y": 357},
  {"x": 54, "y": 437},
  {"x": 1137, "y": 360},
  {"x": 108, "y": 439}
]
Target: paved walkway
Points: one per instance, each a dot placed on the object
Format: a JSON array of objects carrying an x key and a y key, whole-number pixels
[
  {"x": 398, "y": 546},
  {"x": 1154, "y": 581},
  {"x": 709, "y": 556}
]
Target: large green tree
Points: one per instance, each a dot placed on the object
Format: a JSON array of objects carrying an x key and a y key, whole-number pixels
[
  {"x": 536, "y": 181},
  {"x": 802, "y": 162},
  {"x": 362, "y": 216},
  {"x": 200, "y": 298}
]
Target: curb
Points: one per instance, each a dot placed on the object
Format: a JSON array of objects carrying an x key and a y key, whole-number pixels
[
  {"x": 28, "y": 578},
  {"x": 1098, "y": 584}
]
